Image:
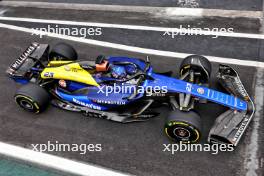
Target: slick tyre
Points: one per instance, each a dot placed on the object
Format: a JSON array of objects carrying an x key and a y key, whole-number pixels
[
  {"x": 63, "y": 52},
  {"x": 32, "y": 98},
  {"x": 198, "y": 64},
  {"x": 183, "y": 126}
]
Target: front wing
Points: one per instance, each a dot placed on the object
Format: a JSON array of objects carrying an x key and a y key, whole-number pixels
[{"x": 230, "y": 126}]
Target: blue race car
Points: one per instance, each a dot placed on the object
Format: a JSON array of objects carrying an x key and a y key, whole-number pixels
[{"x": 126, "y": 90}]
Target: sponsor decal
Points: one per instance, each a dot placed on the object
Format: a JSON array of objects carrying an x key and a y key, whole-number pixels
[
  {"x": 240, "y": 87},
  {"x": 241, "y": 129},
  {"x": 200, "y": 90},
  {"x": 157, "y": 95},
  {"x": 62, "y": 83},
  {"x": 188, "y": 87},
  {"x": 110, "y": 102},
  {"x": 76, "y": 69},
  {"x": 67, "y": 68},
  {"x": 24, "y": 56},
  {"x": 49, "y": 74},
  {"x": 89, "y": 105}
]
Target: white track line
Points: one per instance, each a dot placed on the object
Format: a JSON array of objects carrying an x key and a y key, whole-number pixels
[
  {"x": 199, "y": 12},
  {"x": 56, "y": 162},
  {"x": 135, "y": 27},
  {"x": 134, "y": 49},
  {"x": 252, "y": 158},
  {"x": 71, "y": 166},
  {"x": 168, "y": 11}
]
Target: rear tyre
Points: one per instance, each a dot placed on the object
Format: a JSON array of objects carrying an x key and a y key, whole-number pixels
[
  {"x": 63, "y": 52},
  {"x": 198, "y": 64},
  {"x": 183, "y": 126},
  {"x": 32, "y": 98}
]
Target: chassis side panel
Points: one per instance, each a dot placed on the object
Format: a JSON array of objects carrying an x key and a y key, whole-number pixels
[{"x": 179, "y": 86}]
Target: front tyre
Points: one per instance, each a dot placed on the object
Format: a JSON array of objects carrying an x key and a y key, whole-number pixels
[
  {"x": 199, "y": 65},
  {"x": 183, "y": 126},
  {"x": 32, "y": 98}
]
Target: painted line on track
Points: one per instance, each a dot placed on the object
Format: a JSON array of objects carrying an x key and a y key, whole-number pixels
[
  {"x": 163, "y": 11},
  {"x": 136, "y": 27},
  {"x": 252, "y": 159},
  {"x": 133, "y": 48},
  {"x": 50, "y": 161},
  {"x": 55, "y": 162}
]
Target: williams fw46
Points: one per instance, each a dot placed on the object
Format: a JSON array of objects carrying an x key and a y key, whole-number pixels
[{"x": 56, "y": 76}]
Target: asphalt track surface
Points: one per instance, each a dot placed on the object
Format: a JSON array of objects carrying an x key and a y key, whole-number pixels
[
  {"x": 240, "y": 48},
  {"x": 213, "y": 4},
  {"x": 244, "y": 25},
  {"x": 135, "y": 148}
]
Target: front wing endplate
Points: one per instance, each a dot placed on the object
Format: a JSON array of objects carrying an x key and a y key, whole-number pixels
[{"x": 231, "y": 125}]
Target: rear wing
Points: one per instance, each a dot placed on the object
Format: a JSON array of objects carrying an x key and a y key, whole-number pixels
[
  {"x": 231, "y": 125},
  {"x": 34, "y": 55}
]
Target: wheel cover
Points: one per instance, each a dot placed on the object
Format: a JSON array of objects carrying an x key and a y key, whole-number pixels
[
  {"x": 182, "y": 131},
  {"x": 24, "y": 103},
  {"x": 27, "y": 103}
]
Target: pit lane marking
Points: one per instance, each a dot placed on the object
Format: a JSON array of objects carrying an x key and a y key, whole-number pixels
[
  {"x": 159, "y": 11},
  {"x": 136, "y": 27},
  {"x": 252, "y": 161},
  {"x": 55, "y": 162},
  {"x": 127, "y": 48},
  {"x": 233, "y": 61}
]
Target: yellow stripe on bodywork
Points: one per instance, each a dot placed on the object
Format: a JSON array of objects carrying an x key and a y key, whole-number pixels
[
  {"x": 58, "y": 63},
  {"x": 72, "y": 72}
]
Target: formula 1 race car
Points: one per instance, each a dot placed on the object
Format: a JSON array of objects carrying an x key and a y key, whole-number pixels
[{"x": 126, "y": 89}]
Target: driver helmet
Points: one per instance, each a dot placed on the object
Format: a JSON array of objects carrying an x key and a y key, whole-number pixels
[{"x": 118, "y": 72}]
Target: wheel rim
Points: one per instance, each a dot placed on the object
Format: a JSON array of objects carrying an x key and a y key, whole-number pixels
[
  {"x": 181, "y": 132},
  {"x": 26, "y": 104}
]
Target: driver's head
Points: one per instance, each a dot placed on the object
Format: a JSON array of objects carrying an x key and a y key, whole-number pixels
[{"x": 118, "y": 72}]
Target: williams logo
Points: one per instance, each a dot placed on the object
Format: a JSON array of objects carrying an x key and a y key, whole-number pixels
[{"x": 24, "y": 56}]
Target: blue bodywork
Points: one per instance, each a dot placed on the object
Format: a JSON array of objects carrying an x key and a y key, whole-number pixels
[
  {"x": 96, "y": 99},
  {"x": 179, "y": 86}
]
